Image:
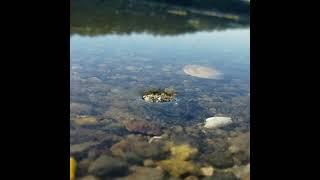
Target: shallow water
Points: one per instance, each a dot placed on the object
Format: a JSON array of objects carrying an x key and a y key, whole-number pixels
[{"x": 110, "y": 70}]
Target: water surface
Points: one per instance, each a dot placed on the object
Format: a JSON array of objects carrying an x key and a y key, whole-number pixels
[{"x": 118, "y": 50}]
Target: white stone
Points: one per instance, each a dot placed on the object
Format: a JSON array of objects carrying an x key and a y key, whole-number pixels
[
  {"x": 217, "y": 122},
  {"x": 202, "y": 72},
  {"x": 207, "y": 171}
]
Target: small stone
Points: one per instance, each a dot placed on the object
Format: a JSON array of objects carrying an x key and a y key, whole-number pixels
[
  {"x": 202, "y": 72},
  {"x": 148, "y": 163},
  {"x": 159, "y": 95},
  {"x": 177, "y": 129},
  {"x": 85, "y": 120},
  {"x": 217, "y": 122},
  {"x": 221, "y": 160},
  {"x": 106, "y": 165},
  {"x": 191, "y": 178},
  {"x": 89, "y": 177},
  {"x": 144, "y": 173},
  {"x": 239, "y": 143},
  {"x": 143, "y": 127},
  {"x": 207, "y": 171},
  {"x": 83, "y": 147},
  {"x": 224, "y": 176}
]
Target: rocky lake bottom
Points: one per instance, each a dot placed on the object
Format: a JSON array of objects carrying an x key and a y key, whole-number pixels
[{"x": 115, "y": 134}]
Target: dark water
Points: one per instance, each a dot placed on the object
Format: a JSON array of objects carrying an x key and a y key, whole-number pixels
[{"x": 120, "y": 49}]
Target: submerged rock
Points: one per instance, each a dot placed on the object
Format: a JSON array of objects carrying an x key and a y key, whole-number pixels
[
  {"x": 85, "y": 120},
  {"x": 242, "y": 172},
  {"x": 106, "y": 165},
  {"x": 135, "y": 149},
  {"x": 221, "y": 160},
  {"x": 143, "y": 127},
  {"x": 240, "y": 143},
  {"x": 240, "y": 148},
  {"x": 202, "y": 72},
  {"x": 217, "y": 122},
  {"x": 149, "y": 163},
  {"x": 77, "y": 108},
  {"x": 220, "y": 175},
  {"x": 144, "y": 173},
  {"x": 191, "y": 178},
  {"x": 207, "y": 171},
  {"x": 159, "y": 95},
  {"x": 89, "y": 177},
  {"x": 82, "y": 147}
]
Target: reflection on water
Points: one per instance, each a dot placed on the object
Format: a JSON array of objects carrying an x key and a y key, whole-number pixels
[
  {"x": 124, "y": 17},
  {"x": 121, "y": 48}
]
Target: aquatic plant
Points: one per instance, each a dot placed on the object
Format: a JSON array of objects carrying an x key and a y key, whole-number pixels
[
  {"x": 177, "y": 167},
  {"x": 183, "y": 152},
  {"x": 177, "y": 164},
  {"x": 72, "y": 168}
]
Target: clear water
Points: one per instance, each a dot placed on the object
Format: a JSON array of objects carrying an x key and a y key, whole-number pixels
[{"x": 111, "y": 68}]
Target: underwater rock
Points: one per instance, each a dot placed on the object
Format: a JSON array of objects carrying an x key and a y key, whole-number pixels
[
  {"x": 143, "y": 127},
  {"x": 94, "y": 80},
  {"x": 202, "y": 72},
  {"x": 191, "y": 178},
  {"x": 157, "y": 98},
  {"x": 106, "y": 165},
  {"x": 240, "y": 148},
  {"x": 72, "y": 168},
  {"x": 159, "y": 95},
  {"x": 89, "y": 177},
  {"x": 240, "y": 143},
  {"x": 85, "y": 120},
  {"x": 82, "y": 167},
  {"x": 217, "y": 122},
  {"x": 80, "y": 135},
  {"x": 144, "y": 173},
  {"x": 177, "y": 129},
  {"x": 138, "y": 148},
  {"x": 217, "y": 144},
  {"x": 207, "y": 171},
  {"x": 113, "y": 127},
  {"x": 242, "y": 172},
  {"x": 220, "y": 175},
  {"x": 81, "y": 148},
  {"x": 77, "y": 108},
  {"x": 221, "y": 160},
  {"x": 148, "y": 163}
]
